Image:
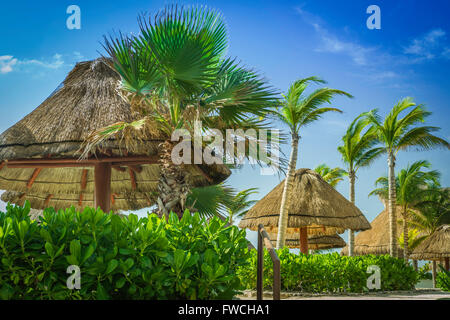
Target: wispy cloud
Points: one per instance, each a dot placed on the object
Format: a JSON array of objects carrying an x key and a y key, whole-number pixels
[
  {"x": 330, "y": 42},
  {"x": 429, "y": 46},
  {"x": 9, "y": 63}
]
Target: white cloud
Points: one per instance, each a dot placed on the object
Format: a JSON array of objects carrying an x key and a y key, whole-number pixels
[
  {"x": 429, "y": 46},
  {"x": 8, "y": 63}
]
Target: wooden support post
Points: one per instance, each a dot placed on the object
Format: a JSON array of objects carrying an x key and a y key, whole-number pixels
[
  {"x": 433, "y": 273},
  {"x": 304, "y": 240},
  {"x": 2, "y": 164},
  {"x": 102, "y": 193},
  {"x": 260, "y": 267},
  {"x": 446, "y": 263}
]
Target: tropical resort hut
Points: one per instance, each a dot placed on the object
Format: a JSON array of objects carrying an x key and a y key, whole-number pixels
[
  {"x": 315, "y": 242},
  {"x": 315, "y": 208},
  {"x": 376, "y": 240},
  {"x": 436, "y": 247},
  {"x": 40, "y": 159}
]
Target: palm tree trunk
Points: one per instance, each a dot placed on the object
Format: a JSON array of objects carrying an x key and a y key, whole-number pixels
[
  {"x": 283, "y": 220},
  {"x": 405, "y": 236},
  {"x": 351, "y": 234},
  {"x": 392, "y": 206},
  {"x": 415, "y": 266},
  {"x": 173, "y": 186}
]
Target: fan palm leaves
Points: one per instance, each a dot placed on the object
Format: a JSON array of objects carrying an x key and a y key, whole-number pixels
[
  {"x": 298, "y": 110},
  {"x": 358, "y": 150},
  {"x": 402, "y": 133},
  {"x": 220, "y": 200},
  {"x": 175, "y": 74},
  {"x": 331, "y": 175}
]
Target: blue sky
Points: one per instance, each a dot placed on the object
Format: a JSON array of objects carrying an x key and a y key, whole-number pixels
[{"x": 284, "y": 40}]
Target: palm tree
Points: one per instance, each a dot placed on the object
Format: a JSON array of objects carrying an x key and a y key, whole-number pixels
[
  {"x": 220, "y": 200},
  {"x": 331, "y": 175},
  {"x": 175, "y": 73},
  {"x": 400, "y": 134},
  {"x": 358, "y": 150},
  {"x": 411, "y": 184},
  {"x": 297, "y": 111},
  {"x": 240, "y": 204}
]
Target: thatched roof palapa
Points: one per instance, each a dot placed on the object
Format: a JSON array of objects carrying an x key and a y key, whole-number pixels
[
  {"x": 314, "y": 204},
  {"x": 88, "y": 99},
  {"x": 435, "y": 247},
  {"x": 376, "y": 240},
  {"x": 315, "y": 242}
]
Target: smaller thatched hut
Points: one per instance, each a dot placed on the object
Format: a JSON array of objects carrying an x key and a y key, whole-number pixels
[
  {"x": 376, "y": 240},
  {"x": 314, "y": 205},
  {"x": 435, "y": 247}
]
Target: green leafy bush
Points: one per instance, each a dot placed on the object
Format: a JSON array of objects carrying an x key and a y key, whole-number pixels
[
  {"x": 322, "y": 273},
  {"x": 424, "y": 272},
  {"x": 443, "y": 279},
  {"x": 119, "y": 257}
]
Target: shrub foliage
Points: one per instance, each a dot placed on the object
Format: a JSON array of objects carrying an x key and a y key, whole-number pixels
[
  {"x": 325, "y": 273},
  {"x": 119, "y": 257}
]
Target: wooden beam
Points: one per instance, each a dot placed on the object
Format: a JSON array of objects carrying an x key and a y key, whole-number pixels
[
  {"x": 75, "y": 163},
  {"x": 2, "y": 164},
  {"x": 102, "y": 193},
  {"x": 91, "y": 161},
  {"x": 33, "y": 177},
  {"x": 47, "y": 200},
  {"x": 80, "y": 199},
  {"x": 118, "y": 168},
  {"x": 133, "y": 179},
  {"x": 137, "y": 169}
]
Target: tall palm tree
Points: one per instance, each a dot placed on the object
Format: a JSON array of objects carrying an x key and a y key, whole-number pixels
[
  {"x": 298, "y": 110},
  {"x": 411, "y": 184},
  {"x": 175, "y": 73},
  {"x": 331, "y": 175},
  {"x": 401, "y": 133},
  {"x": 358, "y": 150}
]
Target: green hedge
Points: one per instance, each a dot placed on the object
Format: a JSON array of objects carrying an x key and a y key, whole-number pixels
[
  {"x": 119, "y": 257},
  {"x": 443, "y": 279},
  {"x": 322, "y": 273}
]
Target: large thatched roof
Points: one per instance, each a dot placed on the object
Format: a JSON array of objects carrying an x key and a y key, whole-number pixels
[
  {"x": 376, "y": 240},
  {"x": 314, "y": 204},
  {"x": 88, "y": 99},
  {"x": 435, "y": 247},
  {"x": 315, "y": 242}
]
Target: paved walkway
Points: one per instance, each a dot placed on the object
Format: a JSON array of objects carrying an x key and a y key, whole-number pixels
[{"x": 430, "y": 294}]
